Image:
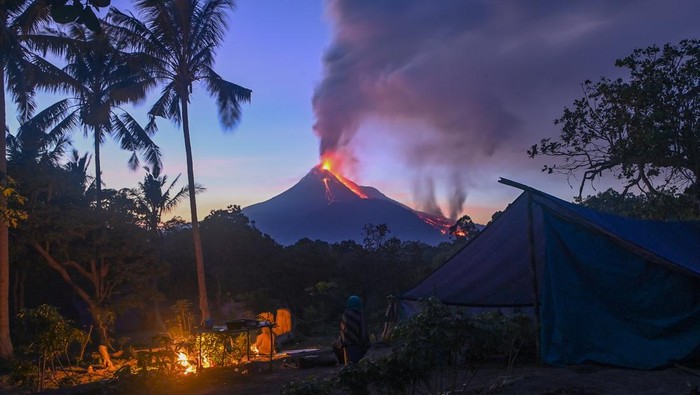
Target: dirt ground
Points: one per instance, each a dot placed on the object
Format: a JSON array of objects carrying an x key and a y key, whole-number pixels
[
  {"x": 528, "y": 379},
  {"x": 488, "y": 379},
  {"x": 262, "y": 378}
]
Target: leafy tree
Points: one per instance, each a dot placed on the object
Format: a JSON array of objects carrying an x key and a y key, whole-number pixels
[
  {"x": 242, "y": 257},
  {"x": 32, "y": 157},
  {"x": 659, "y": 207},
  {"x": 494, "y": 216},
  {"x": 375, "y": 236},
  {"x": 104, "y": 257},
  {"x": 100, "y": 79},
  {"x": 18, "y": 21},
  {"x": 464, "y": 229},
  {"x": 643, "y": 129},
  {"x": 181, "y": 37}
]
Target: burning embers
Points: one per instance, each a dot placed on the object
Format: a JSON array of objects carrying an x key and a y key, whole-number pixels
[{"x": 185, "y": 363}]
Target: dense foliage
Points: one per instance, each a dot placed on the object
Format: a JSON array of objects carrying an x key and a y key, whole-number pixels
[
  {"x": 643, "y": 130},
  {"x": 435, "y": 351}
]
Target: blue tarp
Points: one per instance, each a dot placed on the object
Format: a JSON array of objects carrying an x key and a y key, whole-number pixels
[
  {"x": 612, "y": 290},
  {"x": 605, "y": 304}
]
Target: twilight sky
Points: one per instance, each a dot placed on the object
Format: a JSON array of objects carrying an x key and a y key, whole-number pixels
[{"x": 428, "y": 101}]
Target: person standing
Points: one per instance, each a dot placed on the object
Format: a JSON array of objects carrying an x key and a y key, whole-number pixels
[{"x": 353, "y": 341}]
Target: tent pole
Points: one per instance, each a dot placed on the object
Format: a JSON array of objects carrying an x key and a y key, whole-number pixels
[{"x": 533, "y": 271}]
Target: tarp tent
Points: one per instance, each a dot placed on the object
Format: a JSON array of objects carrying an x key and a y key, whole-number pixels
[{"x": 611, "y": 290}]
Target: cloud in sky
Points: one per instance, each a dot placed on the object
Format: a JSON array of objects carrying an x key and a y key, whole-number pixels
[{"x": 484, "y": 79}]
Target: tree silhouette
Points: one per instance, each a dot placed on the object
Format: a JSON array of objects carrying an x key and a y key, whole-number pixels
[
  {"x": 643, "y": 129},
  {"x": 100, "y": 79},
  {"x": 19, "y": 20},
  {"x": 152, "y": 200},
  {"x": 181, "y": 37},
  {"x": 78, "y": 12}
]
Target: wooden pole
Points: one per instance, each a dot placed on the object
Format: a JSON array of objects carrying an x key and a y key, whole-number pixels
[{"x": 533, "y": 271}]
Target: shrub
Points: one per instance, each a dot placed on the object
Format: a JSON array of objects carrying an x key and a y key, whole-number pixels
[{"x": 44, "y": 339}]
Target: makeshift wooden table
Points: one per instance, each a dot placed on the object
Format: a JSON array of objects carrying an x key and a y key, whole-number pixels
[{"x": 229, "y": 333}]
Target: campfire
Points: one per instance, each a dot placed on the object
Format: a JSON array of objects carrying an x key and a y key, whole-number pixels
[{"x": 185, "y": 363}]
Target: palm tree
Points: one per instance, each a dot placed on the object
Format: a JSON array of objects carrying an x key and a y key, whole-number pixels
[
  {"x": 32, "y": 155},
  {"x": 18, "y": 19},
  {"x": 100, "y": 79},
  {"x": 181, "y": 37},
  {"x": 77, "y": 168},
  {"x": 152, "y": 201}
]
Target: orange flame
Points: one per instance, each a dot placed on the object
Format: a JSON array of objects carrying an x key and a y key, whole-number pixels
[
  {"x": 185, "y": 363},
  {"x": 333, "y": 163}
]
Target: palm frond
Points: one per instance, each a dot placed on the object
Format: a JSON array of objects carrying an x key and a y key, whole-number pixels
[
  {"x": 58, "y": 149},
  {"x": 133, "y": 162},
  {"x": 181, "y": 194},
  {"x": 201, "y": 61},
  {"x": 228, "y": 98},
  {"x": 32, "y": 17},
  {"x": 20, "y": 83},
  {"x": 130, "y": 33},
  {"x": 53, "y": 79},
  {"x": 13, "y": 147},
  {"x": 53, "y": 42},
  {"x": 130, "y": 88},
  {"x": 167, "y": 106},
  {"x": 210, "y": 22},
  {"x": 65, "y": 125},
  {"x": 166, "y": 19},
  {"x": 135, "y": 138},
  {"x": 48, "y": 117}
]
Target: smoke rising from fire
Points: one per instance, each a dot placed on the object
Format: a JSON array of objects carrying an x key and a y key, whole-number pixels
[{"x": 482, "y": 77}]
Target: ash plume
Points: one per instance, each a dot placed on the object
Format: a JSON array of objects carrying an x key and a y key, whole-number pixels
[{"x": 485, "y": 78}]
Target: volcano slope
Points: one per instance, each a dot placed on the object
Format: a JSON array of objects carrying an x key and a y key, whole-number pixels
[{"x": 325, "y": 206}]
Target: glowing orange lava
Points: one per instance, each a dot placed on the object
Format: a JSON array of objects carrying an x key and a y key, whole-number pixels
[
  {"x": 333, "y": 164},
  {"x": 329, "y": 194},
  {"x": 438, "y": 223}
]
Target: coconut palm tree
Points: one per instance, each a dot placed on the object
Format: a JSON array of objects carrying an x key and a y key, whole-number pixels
[
  {"x": 77, "y": 168},
  {"x": 18, "y": 20},
  {"x": 32, "y": 155},
  {"x": 152, "y": 200},
  {"x": 181, "y": 37},
  {"x": 100, "y": 79}
]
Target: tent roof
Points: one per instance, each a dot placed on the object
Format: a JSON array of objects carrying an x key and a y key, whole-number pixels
[{"x": 493, "y": 269}]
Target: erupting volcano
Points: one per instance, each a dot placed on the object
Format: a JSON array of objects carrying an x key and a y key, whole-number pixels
[{"x": 324, "y": 205}]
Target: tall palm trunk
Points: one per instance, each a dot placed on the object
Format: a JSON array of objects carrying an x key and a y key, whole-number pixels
[
  {"x": 5, "y": 342},
  {"x": 98, "y": 170},
  {"x": 198, "y": 256}
]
